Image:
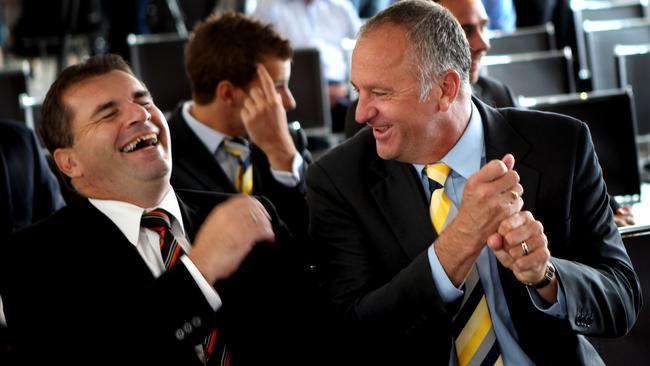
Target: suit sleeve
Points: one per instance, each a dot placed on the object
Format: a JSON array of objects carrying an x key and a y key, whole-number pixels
[{"x": 604, "y": 295}]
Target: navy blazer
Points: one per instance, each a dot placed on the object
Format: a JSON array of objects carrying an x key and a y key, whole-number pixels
[
  {"x": 29, "y": 190},
  {"x": 194, "y": 167},
  {"x": 77, "y": 292},
  {"x": 369, "y": 217}
]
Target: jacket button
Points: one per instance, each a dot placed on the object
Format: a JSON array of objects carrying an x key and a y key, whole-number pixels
[
  {"x": 196, "y": 321},
  {"x": 180, "y": 334},
  {"x": 188, "y": 328}
]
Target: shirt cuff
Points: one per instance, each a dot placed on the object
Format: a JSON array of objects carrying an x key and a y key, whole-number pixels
[
  {"x": 448, "y": 292},
  {"x": 558, "y": 309},
  {"x": 292, "y": 178},
  {"x": 208, "y": 291}
]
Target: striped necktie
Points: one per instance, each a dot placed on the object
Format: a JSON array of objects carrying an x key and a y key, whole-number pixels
[
  {"x": 240, "y": 149},
  {"x": 159, "y": 221},
  {"x": 476, "y": 343}
]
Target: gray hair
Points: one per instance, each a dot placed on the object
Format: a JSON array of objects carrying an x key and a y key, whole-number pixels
[{"x": 437, "y": 40}]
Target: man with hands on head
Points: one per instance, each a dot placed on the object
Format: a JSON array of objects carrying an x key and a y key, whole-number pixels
[
  {"x": 239, "y": 71},
  {"x": 454, "y": 233},
  {"x": 98, "y": 283}
]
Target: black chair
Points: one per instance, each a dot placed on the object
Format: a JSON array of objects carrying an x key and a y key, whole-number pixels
[
  {"x": 526, "y": 39},
  {"x": 309, "y": 89},
  {"x": 13, "y": 83},
  {"x": 158, "y": 60},
  {"x": 633, "y": 68},
  {"x": 592, "y": 10},
  {"x": 612, "y": 123},
  {"x": 533, "y": 73},
  {"x": 601, "y": 37},
  {"x": 633, "y": 349}
]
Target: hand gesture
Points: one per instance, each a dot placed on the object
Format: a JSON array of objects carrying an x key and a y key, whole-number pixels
[
  {"x": 265, "y": 120},
  {"x": 228, "y": 234}
]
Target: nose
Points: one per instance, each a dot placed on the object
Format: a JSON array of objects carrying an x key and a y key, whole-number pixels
[
  {"x": 138, "y": 113},
  {"x": 365, "y": 111},
  {"x": 481, "y": 41},
  {"x": 288, "y": 102}
]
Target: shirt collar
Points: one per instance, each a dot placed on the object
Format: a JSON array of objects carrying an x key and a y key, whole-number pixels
[
  {"x": 466, "y": 156},
  {"x": 126, "y": 216},
  {"x": 211, "y": 138}
]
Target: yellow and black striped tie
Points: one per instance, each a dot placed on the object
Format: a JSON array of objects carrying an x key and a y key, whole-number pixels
[
  {"x": 476, "y": 343},
  {"x": 244, "y": 177}
]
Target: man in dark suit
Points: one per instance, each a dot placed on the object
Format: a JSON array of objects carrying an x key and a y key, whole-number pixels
[
  {"x": 29, "y": 192},
  {"x": 93, "y": 284},
  {"x": 239, "y": 71},
  {"x": 551, "y": 274}
]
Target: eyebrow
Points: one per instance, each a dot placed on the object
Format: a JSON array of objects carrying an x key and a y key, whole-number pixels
[{"x": 139, "y": 94}]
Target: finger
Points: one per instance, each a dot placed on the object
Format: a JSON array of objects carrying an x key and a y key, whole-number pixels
[
  {"x": 509, "y": 161},
  {"x": 516, "y": 220},
  {"x": 492, "y": 170},
  {"x": 495, "y": 241},
  {"x": 266, "y": 82}
]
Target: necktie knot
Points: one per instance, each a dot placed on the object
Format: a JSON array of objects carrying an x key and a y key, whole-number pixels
[
  {"x": 437, "y": 172},
  {"x": 237, "y": 147},
  {"x": 158, "y": 220}
]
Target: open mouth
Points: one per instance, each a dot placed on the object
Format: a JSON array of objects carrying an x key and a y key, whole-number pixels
[{"x": 140, "y": 143}]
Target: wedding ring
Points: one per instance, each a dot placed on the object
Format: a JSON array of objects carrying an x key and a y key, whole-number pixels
[
  {"x": 524, "y": 248},
  {"x": 515, "y": 195}
]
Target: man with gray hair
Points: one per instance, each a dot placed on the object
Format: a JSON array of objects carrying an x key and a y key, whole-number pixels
[{"x": 436, "y": 247}]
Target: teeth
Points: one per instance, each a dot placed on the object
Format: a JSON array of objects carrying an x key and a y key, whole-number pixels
[{"x": 131, "y": 146}]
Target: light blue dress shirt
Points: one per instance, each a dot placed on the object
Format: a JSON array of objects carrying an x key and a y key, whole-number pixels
[
  {"x": 502, "y": 14},
  {"x": 465, "y": 159},
  {"x": 212, "y": 139}
]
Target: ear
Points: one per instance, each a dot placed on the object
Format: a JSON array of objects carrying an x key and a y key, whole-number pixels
[
  {"x": 227, "y": 92},
  {"x": 450, "y": 86},
  {"x": 66, "y": 161}
]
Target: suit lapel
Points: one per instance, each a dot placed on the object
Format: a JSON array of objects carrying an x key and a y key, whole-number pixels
[
  {"x": 500, "y": 139},
  {"x": 191, "y": 155},
  {"x": 400, "y": 199}
]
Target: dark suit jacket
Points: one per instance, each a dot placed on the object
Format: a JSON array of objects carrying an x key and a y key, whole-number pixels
[
  {"x": 370, "y": 218},
  {"x": 28, "y": 189},
  {"x": 194, "y": 167},
  {"x": 490, "y": 91},
  {"x": 77, "y": 292},
  {"x": 493, "y": 92}
]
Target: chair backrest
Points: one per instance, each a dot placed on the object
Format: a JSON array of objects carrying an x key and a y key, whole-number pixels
[
  {"x": 611, "y": 120},
  {"x": 546, "y": 72},
  {"x": 13, "y": 82},
  {"x": 632, "y": 349},
  {"x": 309, "y": 89},
  {"x": 600, "y": 39},
  {"x": 158, "y": 60},
  {"x": 525, "y": 39},
  {"x": 633, "y": 68},
  {"x": 596, "y": 10}
]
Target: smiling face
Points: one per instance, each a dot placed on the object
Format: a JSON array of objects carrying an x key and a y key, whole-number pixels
[
  {"x": 405, "y": 127},
  {"x": 121, "y": 147}
]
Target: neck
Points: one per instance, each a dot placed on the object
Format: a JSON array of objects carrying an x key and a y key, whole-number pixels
[{"x": 219, "y": 118}]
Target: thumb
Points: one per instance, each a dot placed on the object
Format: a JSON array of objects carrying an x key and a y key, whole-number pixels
[{"x": 509, "y": 161}]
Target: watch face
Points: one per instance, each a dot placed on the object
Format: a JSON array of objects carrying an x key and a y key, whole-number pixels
[{"x": 548, "y": 276}]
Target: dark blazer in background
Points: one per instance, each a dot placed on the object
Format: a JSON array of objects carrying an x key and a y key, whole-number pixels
[
  {"x": 370, "y": 219},
  {"x": 490, "y": 91},
  {"x": 77, "y": 292},
  {"x": 28, "y": 189},
  {"x": 194, "y": 167}
]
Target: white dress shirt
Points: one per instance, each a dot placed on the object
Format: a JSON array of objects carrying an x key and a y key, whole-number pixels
[{"x": 127, "y": 217}]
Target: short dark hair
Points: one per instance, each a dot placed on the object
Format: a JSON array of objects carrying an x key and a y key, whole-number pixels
[
  {"x": 228, "y": 47},
  {"x": 56, "y": 117},
  {"x": 437, "y": 40}
]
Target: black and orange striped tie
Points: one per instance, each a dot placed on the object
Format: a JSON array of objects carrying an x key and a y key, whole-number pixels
[
  {"x": 474, "y": 337},
  {"x": 159, "y": 221}
]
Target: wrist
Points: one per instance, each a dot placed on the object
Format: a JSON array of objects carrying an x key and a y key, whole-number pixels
[{"x": 549, "y": 275}]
